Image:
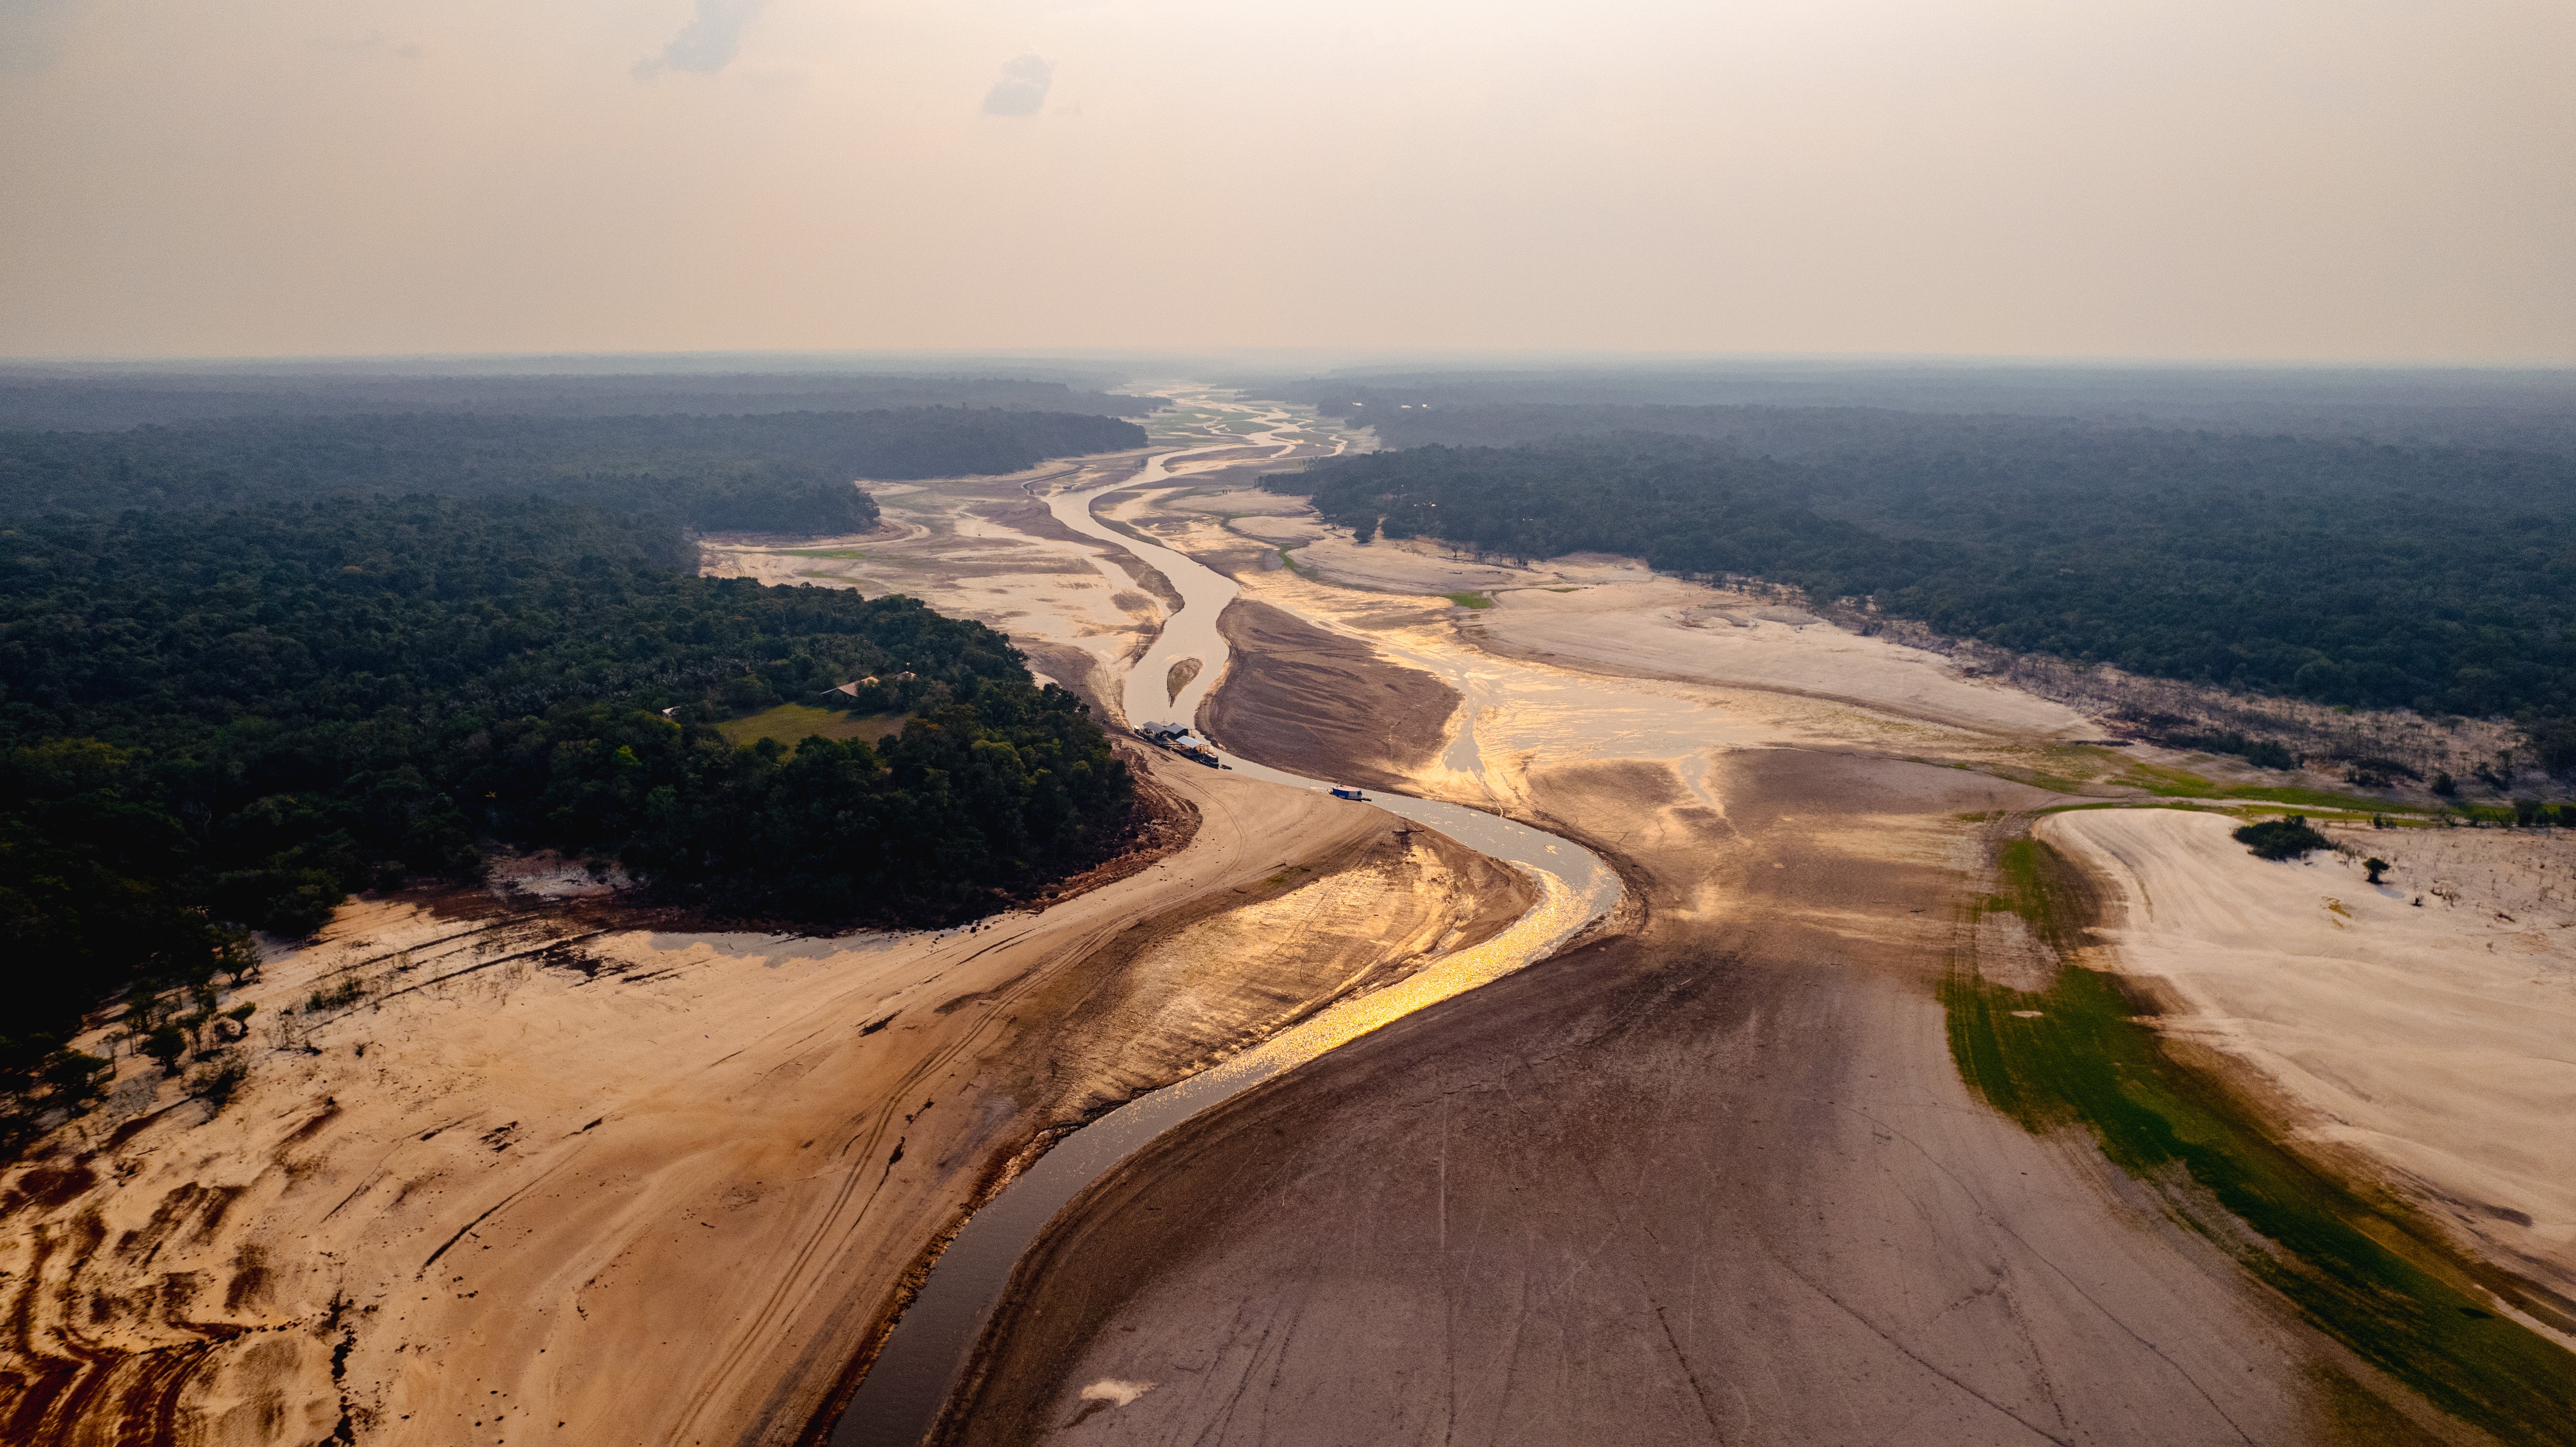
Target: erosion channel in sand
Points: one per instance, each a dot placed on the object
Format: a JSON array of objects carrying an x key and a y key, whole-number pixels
[{"x": 901, "y": 1398}]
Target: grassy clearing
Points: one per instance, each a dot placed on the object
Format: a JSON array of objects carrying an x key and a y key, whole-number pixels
[
  {"x": 792, "y": 723},
  {"x": 2365, "y": 1271},
  {"x": 1290, "y": 562},
  {"x": 1469, "y": 600}
]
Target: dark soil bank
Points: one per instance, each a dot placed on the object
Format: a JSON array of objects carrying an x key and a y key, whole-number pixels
[{"x": 1300, "y": 698}]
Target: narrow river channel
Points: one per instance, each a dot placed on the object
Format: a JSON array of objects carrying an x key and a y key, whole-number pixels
[{"x": 900, "y": 1401}]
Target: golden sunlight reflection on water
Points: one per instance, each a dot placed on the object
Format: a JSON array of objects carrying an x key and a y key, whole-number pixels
[{"x": 1556, "y": 915}]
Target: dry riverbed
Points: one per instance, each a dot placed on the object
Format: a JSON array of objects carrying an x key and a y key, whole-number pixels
[
  {"x": 1715, "y": 1176},
  {"x": 1718, "y": 1177}
]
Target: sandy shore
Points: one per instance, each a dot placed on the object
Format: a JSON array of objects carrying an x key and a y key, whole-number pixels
[
  {"x": 2422, "y": 1044},
  {"x": 662, "y": 1187},
  {"x": 984, "y": 548},
  {"x": 1613, "y": 615}
]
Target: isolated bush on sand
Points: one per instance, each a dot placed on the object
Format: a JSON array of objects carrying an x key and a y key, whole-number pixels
[{"x": 2287, "y": 838}]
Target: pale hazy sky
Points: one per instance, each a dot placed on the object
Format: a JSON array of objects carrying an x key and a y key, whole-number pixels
[{"x": 2343, "y": 179}]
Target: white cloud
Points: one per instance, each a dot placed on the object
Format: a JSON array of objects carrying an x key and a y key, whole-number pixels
[{"x": 1022, "y": 88}]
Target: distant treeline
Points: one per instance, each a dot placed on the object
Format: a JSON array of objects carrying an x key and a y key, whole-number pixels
[
  {"x": 2531, "y": 410},
  {"x": 34, "y": 399},
  {"x": 1757, "y": 431},
  {"x": 2438, "y": 578},
  {"x": 784, "y": 472},
  {"x": 237, "y": 717}
]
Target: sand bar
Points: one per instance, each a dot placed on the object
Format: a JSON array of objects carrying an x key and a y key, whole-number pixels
[{"x": 2430, "y": 1042}]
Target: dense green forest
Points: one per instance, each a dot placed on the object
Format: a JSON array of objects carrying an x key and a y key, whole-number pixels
[
  {"x": 54, "y": 398},
  {"x": 782, "y": 472},
  {"x": 241, "y": 715},
  {"x": 2438, "y": 578}
]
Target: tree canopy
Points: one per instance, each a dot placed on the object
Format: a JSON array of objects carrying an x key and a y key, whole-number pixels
[
  {"x": 2349, "y": 573},
  {"x": 779, "y": 472},
  {"x": 241, "y": 715}
]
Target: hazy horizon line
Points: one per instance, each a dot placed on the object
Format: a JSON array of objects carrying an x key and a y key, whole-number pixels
[{"x": 1323, "y": 358}]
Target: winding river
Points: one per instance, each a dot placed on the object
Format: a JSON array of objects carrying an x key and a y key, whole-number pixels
[{"x": 900, "y": 1401}]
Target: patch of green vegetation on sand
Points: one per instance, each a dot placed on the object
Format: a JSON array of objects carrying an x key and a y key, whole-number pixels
[
  {"x": 2073, "y": 769},
  {"x": 2073, "y": 1056},
  {"x": 2059, "y": 768},
  {"x": 793, "y": 723},
  {"x": 2170, "y": 783},
  {"x": 2184, "y": 805},
  {"x": 1469, "y": 600},
  {"x": 820, "y": 553}
]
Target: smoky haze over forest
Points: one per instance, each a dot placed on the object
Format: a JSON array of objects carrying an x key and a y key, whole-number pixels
[{"x": 2293, "y": 180}]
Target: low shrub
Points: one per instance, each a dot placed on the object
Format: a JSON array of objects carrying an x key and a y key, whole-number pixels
[{"x": 2289, "y": 838}]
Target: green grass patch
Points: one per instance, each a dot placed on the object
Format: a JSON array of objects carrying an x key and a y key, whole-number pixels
[
  {"x": 2319, "y": 799},
  {"x": 821, "y": 553},
  {"x": 2185, "y": 805},
  {"x": 1469, "y": 600},
  {"x": 2060, "y": 768},
  {"x": 2072, "y": 770},
  {"x": 2169, "y": 783},
  {"x": 792, "y": 723},
  {"x": 2035, "y": 882},
  {"x": 2073, "y": 1056},
  {"x": 1291, "y": 563},
  {"x": 2164, "y": 782}
]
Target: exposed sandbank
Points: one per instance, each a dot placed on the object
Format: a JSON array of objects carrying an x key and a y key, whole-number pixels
[
  {"x": 661, "y": 1188},
  {"x": 2424, "y": 1045},
  {"x": 1287, "y": 697},
  {"x": 984, "y": 548}
]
